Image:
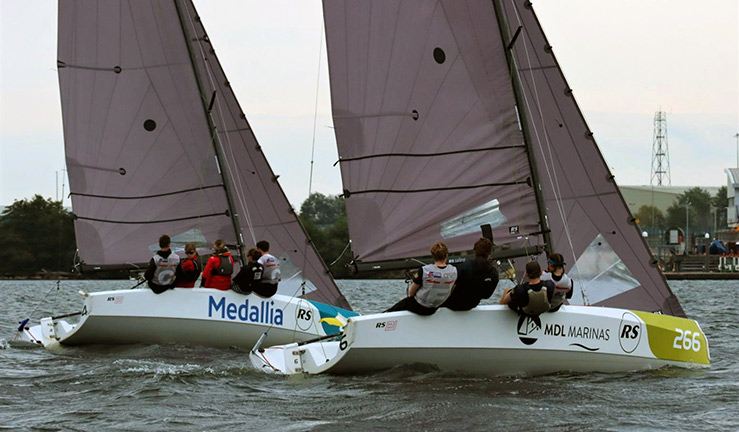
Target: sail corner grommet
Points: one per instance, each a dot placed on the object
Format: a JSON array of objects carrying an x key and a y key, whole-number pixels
[{"x": 117, "y": 69}]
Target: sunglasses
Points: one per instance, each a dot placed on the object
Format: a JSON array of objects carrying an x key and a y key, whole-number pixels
[{"x": 190, "y": 253}]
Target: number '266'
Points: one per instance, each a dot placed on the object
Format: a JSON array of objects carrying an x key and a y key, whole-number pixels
[{"x": 687, "y": 340}]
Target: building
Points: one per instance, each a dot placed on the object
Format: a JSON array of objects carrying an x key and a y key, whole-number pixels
[
  {"x": 661, "y": 197},
  {"x": 732, "y": 193}
]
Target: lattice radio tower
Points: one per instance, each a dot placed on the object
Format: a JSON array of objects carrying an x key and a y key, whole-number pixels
[{"x": 660, "y": 153}]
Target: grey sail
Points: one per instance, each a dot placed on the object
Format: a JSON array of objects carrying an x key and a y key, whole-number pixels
[
  {"x": 439, "y": 131},
  {"x": 146, "y": 108},
  {"x": 589, "y": 219},
  {"x": 427, "y": 132}
]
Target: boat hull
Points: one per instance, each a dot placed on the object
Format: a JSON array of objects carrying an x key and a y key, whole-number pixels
[
  {"x": 494, "y": 340},
  {"x": 196, "y": 316}
]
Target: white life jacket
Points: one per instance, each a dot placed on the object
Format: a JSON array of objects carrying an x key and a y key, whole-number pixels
[
  {"x": 436, "y": 285},
  {"x": 561, "y": 288},
  {"x": 165, "y": 271},
  {"x": 271, "y": 273}
]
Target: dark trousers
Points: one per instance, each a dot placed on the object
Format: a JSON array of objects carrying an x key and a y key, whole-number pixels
[
  {"x": 261, "y": 289},
  {"x": 410, "y": 304}
]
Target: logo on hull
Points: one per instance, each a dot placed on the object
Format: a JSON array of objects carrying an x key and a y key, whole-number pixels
[
  {"x": 528, "y": 329},
  {"x": 629, "y": 332}
]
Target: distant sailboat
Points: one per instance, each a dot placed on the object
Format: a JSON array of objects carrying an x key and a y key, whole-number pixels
[
  {"x": 156, "y": 143},
  {"x": 451, "y": 115}
]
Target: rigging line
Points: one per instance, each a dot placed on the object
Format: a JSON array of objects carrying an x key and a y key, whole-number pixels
[
  {"x": 552, "y": 174},
  {"x": 145, "y": 196},
  {"x": 341, "y": 254},
  {"x": 315, "y": 112},
  {"x": 422, "y": 155}
]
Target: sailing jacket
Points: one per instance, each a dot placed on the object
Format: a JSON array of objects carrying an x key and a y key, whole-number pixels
[
  {"x": 476, "y": 280},
  {"x": 271, "y": 265},
  {"x": 562, "y": 289},
  {"x": 161, "y": 271},
  {"x": 218, "y": 270},
  {"x": 249, "y": 278},
  {"x": 436, "y": 285},
  {"x": 188, "y": 272}
]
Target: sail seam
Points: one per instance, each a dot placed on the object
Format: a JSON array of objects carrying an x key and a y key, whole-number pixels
[
  {"x": 151, "y": 222},
  {"x": 431, "y": 154},
  {"x": 145, "y": 196}
]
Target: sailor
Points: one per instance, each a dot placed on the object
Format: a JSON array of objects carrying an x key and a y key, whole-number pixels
[
  {"x": 271, "y": 275},
  {"x": 530, "y": 298},
  {"x": 476, "y": 279},
  {"x": 160, "y": 274},
  {"x": 189, "y": 269},
  {"x": 432, "y": 284},
  {"x": 562, "y": 283},
  {"x": 219, "y": 268},
  {"x": 249, "y": 278}
]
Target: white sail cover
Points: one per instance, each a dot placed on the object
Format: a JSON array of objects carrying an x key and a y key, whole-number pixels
[
  {"x": 426, "y": 125},
  {"x": 590, "y": 222},
  {"x": 430, "y": 146},
  {"x": 142, "y": 91}
]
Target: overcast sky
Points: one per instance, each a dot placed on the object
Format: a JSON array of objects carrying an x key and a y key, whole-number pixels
[{"x": 625, "y": 59}]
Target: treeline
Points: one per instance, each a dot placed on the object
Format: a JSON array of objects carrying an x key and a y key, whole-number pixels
[
  {"x": 37, "y": 235},
  {"x": 695, "y": 208}
]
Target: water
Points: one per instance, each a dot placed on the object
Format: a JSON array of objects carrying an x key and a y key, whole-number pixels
[{"x": 168, "y": 387}]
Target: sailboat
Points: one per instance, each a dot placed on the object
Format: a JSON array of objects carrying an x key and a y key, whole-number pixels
[
  {"x": 454, "y": 115},
  {"x": 157, "y": 143}
]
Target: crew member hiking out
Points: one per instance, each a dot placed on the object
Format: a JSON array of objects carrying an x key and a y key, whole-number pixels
[
  {"x": 219, "y": 268},
  {"x": 476, "y": 280},
  {"x": 530, "y": 298},
  {"x": 271, "y": 274},
  {"x": 160, "y": 274},
  {"x": 189, "y": 269},
  {"x": 431, "y": 285},
  {"x": 562, "y": 283}
]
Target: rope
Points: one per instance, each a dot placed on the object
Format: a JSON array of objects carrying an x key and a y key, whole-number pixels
[{"x": 23, "y": 322}]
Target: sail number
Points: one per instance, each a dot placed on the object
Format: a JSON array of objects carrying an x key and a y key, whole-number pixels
[{"x": 687, "y": 340}]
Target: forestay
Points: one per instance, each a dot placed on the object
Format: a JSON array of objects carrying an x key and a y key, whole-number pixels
[{"x": 142, "y": 90}]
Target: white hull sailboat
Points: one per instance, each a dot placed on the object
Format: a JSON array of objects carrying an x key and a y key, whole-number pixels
[
  {"x": 156, "y": 143},
  {"x": 451, "y": 116},
  {"x": 193, "y": 316},
  {"x": 493, "y": 340}
]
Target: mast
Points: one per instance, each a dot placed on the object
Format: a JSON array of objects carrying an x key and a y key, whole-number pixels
[
  {"x": 520, "y": 107},
  {"x": 222, "y": 165}
]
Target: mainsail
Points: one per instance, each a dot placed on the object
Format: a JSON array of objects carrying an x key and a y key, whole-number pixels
[
  {"x": 156, "y": 143},
  {"x": 427, "y": 129},
  {"x": 453, "y": 114}
]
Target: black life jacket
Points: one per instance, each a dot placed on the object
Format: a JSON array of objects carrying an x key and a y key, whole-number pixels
[{"x": 226, "y": 267}]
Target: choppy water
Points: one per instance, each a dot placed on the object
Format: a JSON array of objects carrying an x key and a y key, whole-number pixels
[{"x": 167, "y": 387}]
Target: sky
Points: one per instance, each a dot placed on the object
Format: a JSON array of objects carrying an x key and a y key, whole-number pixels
[{"x": 624, "y": 59}]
